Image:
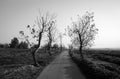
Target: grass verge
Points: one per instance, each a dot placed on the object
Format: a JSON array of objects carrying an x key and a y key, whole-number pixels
[{"x": 96, "y": 68}]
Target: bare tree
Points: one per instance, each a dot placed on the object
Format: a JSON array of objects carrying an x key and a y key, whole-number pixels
[
  {"x": 51, "y": 35},
  {"x": 83, "y": 31},
  {"x": 60, "y": 36},
  {"x": 38, "y": 29}
]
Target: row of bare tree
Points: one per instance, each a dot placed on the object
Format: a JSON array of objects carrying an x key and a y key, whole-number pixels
[
  {"x": 82, "y": 31},
  {"x": 44, "y": 24}
]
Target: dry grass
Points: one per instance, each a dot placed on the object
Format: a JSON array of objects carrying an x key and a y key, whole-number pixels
[
  {"x": 99, "y": 64},
  {"x": 17, "y": 63}
]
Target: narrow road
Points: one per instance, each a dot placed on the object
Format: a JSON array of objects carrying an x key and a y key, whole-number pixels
[{"x": 62, "y": 68}]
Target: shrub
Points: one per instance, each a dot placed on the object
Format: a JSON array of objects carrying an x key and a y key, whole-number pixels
[
  {"x": 14, "y": 42},
  {"x": 23, "y": 45}
]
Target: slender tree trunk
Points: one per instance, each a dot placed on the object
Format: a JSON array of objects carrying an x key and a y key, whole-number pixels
[
  {"x": 61, "y": 46},
  {"x": 34, "y": 58},
  {"x": 80, "y": 49},
  {"x": 81, "y": 54},
  {"x": 39, "y": 41},
  {"x": 49, "y": 48},
  {"x": 36, "y": 50},
  {"x": 50, "y": 40}
]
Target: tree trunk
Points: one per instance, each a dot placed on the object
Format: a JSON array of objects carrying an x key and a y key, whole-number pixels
[
  {"x": 34, "y": 58},
  {"x": 61, "y": 47},
  {"x": 40, "y": 37},
  {"x": 81, "y": 54},
  {"x": 34, "y": 51},
  {"x": 49, "y": 48},
  {"x": 80, "y": 49}
]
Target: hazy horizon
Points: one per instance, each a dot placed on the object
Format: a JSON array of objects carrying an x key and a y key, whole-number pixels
[{"x": 15, "y": 15}]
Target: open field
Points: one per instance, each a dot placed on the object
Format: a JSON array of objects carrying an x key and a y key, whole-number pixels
[
  {"x": 99, "y": 64},
  {"x": 18, "y": 63}
]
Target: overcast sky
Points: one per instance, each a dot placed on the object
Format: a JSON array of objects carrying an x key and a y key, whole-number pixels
[{"x": 16, "y": 14}]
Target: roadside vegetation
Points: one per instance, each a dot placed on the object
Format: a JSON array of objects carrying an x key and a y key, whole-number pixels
[
  {"x": 19, "y": 64},
  {"x": 24, "y": 57},
  {"x": 95, "y": 64},
  {"x": 99, "y": 64}
]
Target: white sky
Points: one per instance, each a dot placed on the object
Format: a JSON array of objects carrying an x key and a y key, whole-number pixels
[{"x": 16, "y": 14}]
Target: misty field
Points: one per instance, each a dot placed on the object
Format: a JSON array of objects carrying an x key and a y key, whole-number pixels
[
  {"x": 99, "y": 64},
  {"x": 18, "y": 63}
]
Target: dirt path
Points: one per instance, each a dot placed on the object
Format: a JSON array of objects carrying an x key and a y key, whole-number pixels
[{"x": 61, "y": 68}]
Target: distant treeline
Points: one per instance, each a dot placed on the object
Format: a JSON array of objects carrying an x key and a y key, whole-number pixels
[{"x": 15, "y": 43}]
